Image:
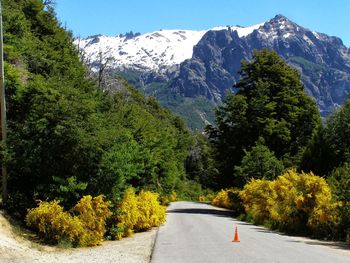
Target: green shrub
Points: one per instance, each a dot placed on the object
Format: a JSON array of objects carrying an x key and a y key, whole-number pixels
[{"x": 340, "y": 183}]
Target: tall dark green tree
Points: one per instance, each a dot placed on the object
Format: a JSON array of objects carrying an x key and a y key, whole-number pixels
[
  {"x": 336, "y": 134},
  {"x": 270, "y": 103},
  {"x": 200, "y": 163}
]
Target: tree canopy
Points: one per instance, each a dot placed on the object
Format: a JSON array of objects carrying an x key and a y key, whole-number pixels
[
  {"x": 66, "y": 136},
  {"x": 270, "y": 103}
]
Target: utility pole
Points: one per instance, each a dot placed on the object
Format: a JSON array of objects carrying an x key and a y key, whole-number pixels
[{"x": 3, "y": 109}]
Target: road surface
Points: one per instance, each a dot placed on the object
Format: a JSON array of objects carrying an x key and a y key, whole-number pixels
[{"x": 197, "y": 232}]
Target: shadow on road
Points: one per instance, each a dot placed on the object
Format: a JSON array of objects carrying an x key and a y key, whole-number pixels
[
  {"x": 203, "y": 211},
  {"x": 312, "y": 242},
  {"x": 330, "y": 244}
]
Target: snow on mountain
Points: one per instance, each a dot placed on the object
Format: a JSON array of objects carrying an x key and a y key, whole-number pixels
[{"x": 154, "y": 51}]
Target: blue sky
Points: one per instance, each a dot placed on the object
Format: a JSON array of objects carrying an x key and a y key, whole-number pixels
[{"x": 112, "y": 17}]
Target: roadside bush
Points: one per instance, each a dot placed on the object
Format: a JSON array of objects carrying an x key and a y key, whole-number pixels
[
  {"x": 293, "y": 202},
  {"x": 258, "y": 197},
  {"x": 222, "y": 199},
  {"x": 54, "y": 224},
  {"x": 167, "y": 199},
  {"x": 151, "y": 213},
  {"x": 189, "y": 190},
  {"x": 93, "y": 213},
  {"x": 228, "y": 198},
  {"x": 127, "y": 214},
  {"x": 206, "y": 198},
  {"x": 302, "y": 199},
  {"x": 138, "y": 213}
]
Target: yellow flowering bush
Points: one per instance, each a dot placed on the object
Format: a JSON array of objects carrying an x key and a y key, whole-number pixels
[
  {"x": 293, "y": 201},
  {"x": 151, "y": 212},
  {"x": 173, "y": 197},
  {"x": 222, "y": 199},
  {"x": 138, "y": 212},
  {"x": 128, "y": 214},
  {"x": 93, "y": 213},
  {"x": 258, "y": 196},
  {"x": 167, "y": 199},
  {"x": 303, "y": 199},
  {"x": 228, "y": 198},
  {"x": 206, "y": 198},
  {"x": 53, "y": 223},
  {"x": 202, "y": 198}
]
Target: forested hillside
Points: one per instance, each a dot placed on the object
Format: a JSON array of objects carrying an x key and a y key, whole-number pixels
[{"x": 66, "y": 137}]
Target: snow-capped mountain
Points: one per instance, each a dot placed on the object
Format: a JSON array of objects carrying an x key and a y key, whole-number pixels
[
  {"x": 191, "y": 71},
  {"x": 323, "y": 61},
  {"x": 154, "y": 51}
]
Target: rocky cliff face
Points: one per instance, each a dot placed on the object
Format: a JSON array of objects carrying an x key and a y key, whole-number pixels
[{"x": 323, "y": 61}]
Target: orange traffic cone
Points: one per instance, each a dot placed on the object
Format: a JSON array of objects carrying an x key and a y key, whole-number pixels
[{"x": 236, "y": 239}]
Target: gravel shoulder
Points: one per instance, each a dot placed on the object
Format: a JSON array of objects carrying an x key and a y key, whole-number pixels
[{"x": 15, "y": 249}]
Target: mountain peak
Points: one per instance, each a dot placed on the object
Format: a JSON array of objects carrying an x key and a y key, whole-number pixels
[
  {"x": 280, "y": 17},
  {"x": 281, "y": 20}
]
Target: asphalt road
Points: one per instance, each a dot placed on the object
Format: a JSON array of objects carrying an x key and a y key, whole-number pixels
[{"x": 196, "y": 232}]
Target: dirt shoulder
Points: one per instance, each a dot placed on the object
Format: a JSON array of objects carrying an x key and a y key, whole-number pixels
[{"x": 15, "y": 249}]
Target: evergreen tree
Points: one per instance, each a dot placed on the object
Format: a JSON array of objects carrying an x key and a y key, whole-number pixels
[{"x": 270, "y": 103}]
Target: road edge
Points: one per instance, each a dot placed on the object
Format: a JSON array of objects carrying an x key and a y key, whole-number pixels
[{"x": 154, "y": 244}]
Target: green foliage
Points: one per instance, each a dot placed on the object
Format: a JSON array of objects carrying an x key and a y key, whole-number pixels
[
  {"x": 318, "y": 156},
  {"x": 197, "y": 112},
  {"x": 337, "y": 132},
  {"x": 66, "y": 137},
  {"x": 330, "y": 146},
  {"x": 67, "y": 191},
  {"x": 200, "y": 163},
  {"x": 270, "y": 103},
  {"x": 189, "y": 190},
  {"x": 339, "y": 180},
  {"x": 259, "y": 163}
]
